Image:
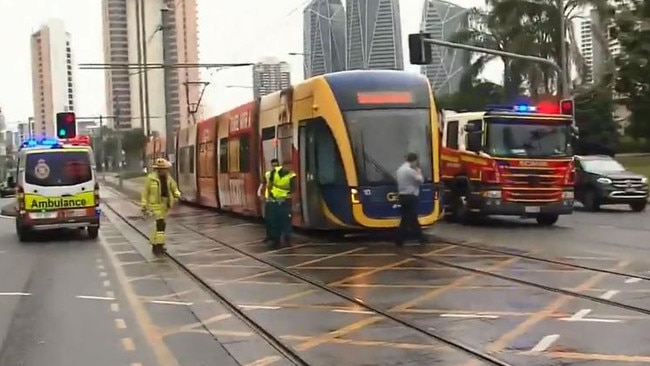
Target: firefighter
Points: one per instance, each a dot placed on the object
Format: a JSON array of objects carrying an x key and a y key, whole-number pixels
[
  {"x": 158, "y": 197},
  {"x": 280, "y": 183}
]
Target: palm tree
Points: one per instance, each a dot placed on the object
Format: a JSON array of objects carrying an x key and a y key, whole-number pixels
[
  {"x": 499, "y": 34},
  {"x": 541, "y": 20},
  {"x": 531, "y": 27}
]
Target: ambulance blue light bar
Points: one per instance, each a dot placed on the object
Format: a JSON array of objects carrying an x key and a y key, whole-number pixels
[
  {"x": 42, "y": 142},
  {"x": 519, "y": 108}
]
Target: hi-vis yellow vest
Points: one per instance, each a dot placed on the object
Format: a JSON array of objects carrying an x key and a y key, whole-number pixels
[{"x": 281, "y": 185}]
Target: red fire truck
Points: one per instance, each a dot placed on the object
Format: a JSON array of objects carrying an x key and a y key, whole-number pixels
[{"x": 509, "y": 160}]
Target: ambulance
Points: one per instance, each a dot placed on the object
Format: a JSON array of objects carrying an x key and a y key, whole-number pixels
[{"x": 56, "y": 186}]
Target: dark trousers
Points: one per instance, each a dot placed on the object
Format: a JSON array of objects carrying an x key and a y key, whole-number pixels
[
  {"x": 278, "y": 220},
  {"x": 409, "y": 226}
]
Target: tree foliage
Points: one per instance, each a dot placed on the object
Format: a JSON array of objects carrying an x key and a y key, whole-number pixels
[{"x": 633, "y": 75}]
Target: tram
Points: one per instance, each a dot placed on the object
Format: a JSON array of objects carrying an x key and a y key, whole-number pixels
[{"x": 343, "y": 133}]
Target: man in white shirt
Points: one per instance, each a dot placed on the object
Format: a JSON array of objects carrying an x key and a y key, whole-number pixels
[{"x": 409, "y": 179}]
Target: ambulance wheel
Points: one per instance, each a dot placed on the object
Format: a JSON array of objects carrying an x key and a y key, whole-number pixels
[
  {"x": 24, "y": 235},
  {"x": 93, "y": 232},
  {"x": 547, "y": 219}
]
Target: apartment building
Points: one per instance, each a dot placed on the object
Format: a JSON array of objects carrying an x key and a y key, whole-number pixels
[{"x": 52, "y": 76}]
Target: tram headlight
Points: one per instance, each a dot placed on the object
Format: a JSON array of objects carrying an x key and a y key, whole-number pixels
[{"x": 354, "y": 195}]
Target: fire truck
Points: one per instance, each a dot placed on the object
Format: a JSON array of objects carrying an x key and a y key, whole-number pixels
[{"x": 509, "y": 160}]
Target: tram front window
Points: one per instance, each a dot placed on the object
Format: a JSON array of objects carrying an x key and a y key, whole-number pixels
[{"x": 381, "y": 139}]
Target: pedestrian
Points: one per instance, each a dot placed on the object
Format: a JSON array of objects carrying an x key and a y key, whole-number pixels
[
  {"x": 263, "y": 193},
  {"x": 159, "y": 195},
  {"x": 279, "y": 184},
  {"x": 409, "y": 179}
]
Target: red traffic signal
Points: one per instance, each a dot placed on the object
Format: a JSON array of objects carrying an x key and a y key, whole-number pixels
[{"x": 566, "y": 107}]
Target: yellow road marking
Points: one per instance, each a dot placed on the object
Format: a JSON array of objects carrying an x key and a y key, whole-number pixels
[
  {"x": 128, "y": 344},
  {"x": 549, "y": 310},
  {"x": 163, "y": 355},
  {"x": 596, "y": 357},
  {"x": 453, "y": 285},
  {"x": 327, "y": 257}
]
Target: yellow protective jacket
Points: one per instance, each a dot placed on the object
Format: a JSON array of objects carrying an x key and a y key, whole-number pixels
[{"x": 151, "y": 195}]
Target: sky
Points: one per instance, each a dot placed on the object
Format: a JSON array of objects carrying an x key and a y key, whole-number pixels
[{"x": 229, "y": 31}]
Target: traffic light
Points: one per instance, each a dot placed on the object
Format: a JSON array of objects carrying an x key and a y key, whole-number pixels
[
  {"x": 566, "y": 107},
  {"x": 419, "y": 50},
  {"x": 66, "y": 125}
]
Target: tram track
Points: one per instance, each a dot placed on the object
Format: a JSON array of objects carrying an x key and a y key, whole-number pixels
[{"x": 285, "y": 350}]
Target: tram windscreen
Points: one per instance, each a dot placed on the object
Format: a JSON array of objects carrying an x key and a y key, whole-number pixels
[{"x": 381, "y": 139}]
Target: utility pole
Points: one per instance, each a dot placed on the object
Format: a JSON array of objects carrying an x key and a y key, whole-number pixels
[
  {"x": 563, "y": 51},
  {"x": 102, "y": 153},
  {"x": 166, "y": 40},
  {"x": 120, "y": 134}
]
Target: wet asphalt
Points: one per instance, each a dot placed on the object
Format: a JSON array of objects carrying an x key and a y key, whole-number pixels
[
  {"x": 517, "y": 323},
  {"x": 173, "y": 320}
]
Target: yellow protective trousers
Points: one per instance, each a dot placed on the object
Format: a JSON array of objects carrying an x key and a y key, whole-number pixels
[{"x": 159, "y": 212}]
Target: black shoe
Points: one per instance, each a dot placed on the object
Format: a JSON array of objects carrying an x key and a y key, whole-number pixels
[{"x": 399, "y": 243}]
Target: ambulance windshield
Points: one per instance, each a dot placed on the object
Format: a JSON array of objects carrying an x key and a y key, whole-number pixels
[{"x": 58, "y": 168}]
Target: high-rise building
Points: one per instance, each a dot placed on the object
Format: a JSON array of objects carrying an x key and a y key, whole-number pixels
[
  {"x": 374, "y": 35},
  {"x": 270, "y": 75},
  {"x": 133, "y": 30},
  {"x": 442, "y": 20},
  {"x": 23, "y": 131},
  {"x": 116, "y": 50},
  {"x": 52, "y": 76},
  {"x": 593, "y": 47},
  {"x": 324, "y": 37}
]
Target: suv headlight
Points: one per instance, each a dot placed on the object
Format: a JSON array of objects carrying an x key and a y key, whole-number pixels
[
  {"x": 644, "y": 180},
  {"x": 604, "y": 180}
]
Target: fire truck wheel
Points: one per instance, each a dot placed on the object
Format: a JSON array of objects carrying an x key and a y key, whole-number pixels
[
  {"x": 547, "y": 219},
  {"x": 460, "y": 212},
  {"x": 591, "y": 201}
]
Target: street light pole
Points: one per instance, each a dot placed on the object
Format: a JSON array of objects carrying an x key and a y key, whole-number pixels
[{"x": 563, "y": 51}]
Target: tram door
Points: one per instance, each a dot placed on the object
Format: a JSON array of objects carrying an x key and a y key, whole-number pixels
[{"x": 309, "y": 189}]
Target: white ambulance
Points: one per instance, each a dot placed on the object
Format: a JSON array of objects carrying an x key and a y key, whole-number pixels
[{"x": 56, "y": 186}]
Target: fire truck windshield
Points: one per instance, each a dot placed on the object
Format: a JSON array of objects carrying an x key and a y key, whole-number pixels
[
  {"x": 517, "y": 138},
  {"x": 381, "y": 138}
]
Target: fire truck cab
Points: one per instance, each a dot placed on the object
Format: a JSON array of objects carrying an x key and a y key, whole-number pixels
[{"x": 508, "y": 160}]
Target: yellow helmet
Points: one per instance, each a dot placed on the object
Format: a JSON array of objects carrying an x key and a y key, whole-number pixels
[{"x": 162, "y": 163}]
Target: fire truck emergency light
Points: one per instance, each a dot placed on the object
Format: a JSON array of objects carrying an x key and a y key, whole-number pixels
[{"x": 566, "y": 107}]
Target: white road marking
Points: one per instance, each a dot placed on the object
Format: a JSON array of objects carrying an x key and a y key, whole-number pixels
[
  {"x": 163, "y": 302},
  {"x": 609, "y": 294},
  {"x": 633, "y": 280},
  {"x": 580, "y": 317},
  {"x": 7, "y": 217},
  {"x": 120, "y": 323},
  {"x": 100, "y": 267},
  {"x": 107, "y": 283},
  {"x": 469, "y": 316},
  {"x": 352, "y": 311},
  {"x": 103, "y": 274},
  {"x": 3, "y": 251},
  {"x": 110, "y": 294},
  {"x": 115, "y": 307},
  {"x": 94, "y": 297},
  {"x": 545, "y": 343},
  {"x": 15, "y": 294},
  {"x": 259, "y": 307},
  {"x": 580, "y": 314}
]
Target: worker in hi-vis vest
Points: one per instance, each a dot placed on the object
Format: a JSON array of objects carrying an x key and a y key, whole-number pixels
[
  {"x": 159, "y": 195},
  {"x": 279, "y": 183}
]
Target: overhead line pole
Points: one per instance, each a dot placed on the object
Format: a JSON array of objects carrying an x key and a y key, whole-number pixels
[{"x": 166, "y": 40}]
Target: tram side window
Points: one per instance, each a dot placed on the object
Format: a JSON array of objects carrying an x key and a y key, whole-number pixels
[
  {"x": 191, "y": 152},
  {"x": 269, "y": 150},
  {"x": 452, "y": 135},
  {"x": 285, "y": 139},
  {"x": 244, "y": 154},
  {"x": 233, "y": 152},
  {"x": 208, "y": 165},
  {"x": 223, "y": 155},
  {"x": 330, "y": 170},
  {"x": 182, "y": 159}
]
